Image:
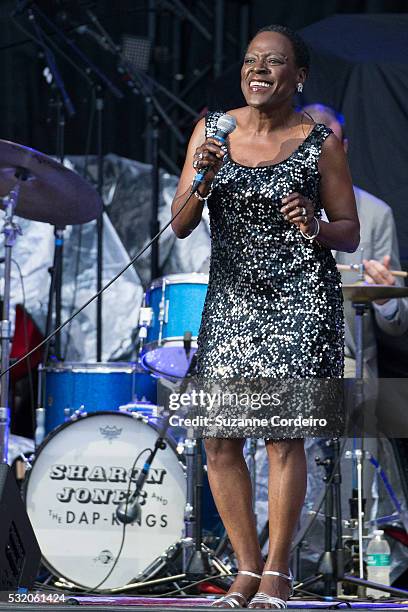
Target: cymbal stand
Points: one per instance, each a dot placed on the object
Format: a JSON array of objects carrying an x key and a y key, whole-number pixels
[
  {"x": 332, "y": 562},
  {"x": 60, "y": 102},
  {"x": 360, "y": 308},
  {"x": 11, "y": 230}
]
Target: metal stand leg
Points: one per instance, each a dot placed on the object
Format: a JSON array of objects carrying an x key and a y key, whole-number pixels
[
  {"x": 10, "y": 231},
  {"x": 99, "y": 223},
  {"x": 360, "y": 309}
]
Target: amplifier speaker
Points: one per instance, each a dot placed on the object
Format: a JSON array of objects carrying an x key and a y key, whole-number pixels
[{"x": 20, "y": 555}]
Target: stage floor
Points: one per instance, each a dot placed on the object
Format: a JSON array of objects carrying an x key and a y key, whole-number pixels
[{"x": 123, "y": 603}]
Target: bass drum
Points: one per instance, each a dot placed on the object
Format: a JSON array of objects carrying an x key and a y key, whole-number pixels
[{"x": 80, "y": 474}]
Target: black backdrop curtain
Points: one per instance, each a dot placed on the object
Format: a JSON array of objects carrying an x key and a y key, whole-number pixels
[
  {"x": 371, "y": 93},
  {"x": 25, "y": 113}
]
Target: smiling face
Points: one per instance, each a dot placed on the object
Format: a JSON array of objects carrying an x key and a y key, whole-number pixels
[{"x": 269, "y": 75}]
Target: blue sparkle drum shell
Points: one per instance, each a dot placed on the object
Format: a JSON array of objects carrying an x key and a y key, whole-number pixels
[
  {"x": 177, "y": 302},
  {"x": 93, "y": 387}
]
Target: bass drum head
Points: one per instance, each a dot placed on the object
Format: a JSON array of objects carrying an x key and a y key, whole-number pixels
[{"x": 80, "y": 475}]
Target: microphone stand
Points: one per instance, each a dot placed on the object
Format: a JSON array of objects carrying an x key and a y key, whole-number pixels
[
  {"x": 197, "y": 559},
  {"x": 129, "y": 510}
]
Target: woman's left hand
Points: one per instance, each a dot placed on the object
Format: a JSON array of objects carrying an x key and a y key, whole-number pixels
[{"x": 298, "y": 210}]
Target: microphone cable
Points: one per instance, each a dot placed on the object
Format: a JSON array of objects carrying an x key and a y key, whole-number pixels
[{"x": 96, "y": 295}]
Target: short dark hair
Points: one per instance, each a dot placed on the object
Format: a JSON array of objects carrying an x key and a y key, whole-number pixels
[{"x": 300, "y": 48}]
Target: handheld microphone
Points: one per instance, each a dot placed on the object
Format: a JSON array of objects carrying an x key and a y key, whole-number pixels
[{"x": 225, "y": 125}]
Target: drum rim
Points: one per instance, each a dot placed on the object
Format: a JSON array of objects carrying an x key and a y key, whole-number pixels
[
  {"x": 104, "y": 367},
  {"x": 152, "y": 346},
  {"x": 48, "y": 438},
  {"x": 191, "y": 278}
]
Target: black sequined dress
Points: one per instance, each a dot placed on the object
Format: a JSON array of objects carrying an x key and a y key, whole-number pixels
[{"x": 274, "y": 305}]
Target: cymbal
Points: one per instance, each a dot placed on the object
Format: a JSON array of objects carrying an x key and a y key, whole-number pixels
[
  {"x": 52, "y": 193},
  {"x": 365, "y": 292}
]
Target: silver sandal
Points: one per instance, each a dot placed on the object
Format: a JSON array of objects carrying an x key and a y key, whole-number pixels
[
  {"x": 264, "y": 598},
  {"x": 231, "y": 599}
]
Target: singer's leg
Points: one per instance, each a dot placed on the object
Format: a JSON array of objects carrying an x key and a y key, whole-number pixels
[
  {"x": 287, "y": 488},
  {"x": 231, "y": 488}
]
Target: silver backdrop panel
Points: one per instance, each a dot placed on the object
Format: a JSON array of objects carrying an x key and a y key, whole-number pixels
[{"x": 127, "y": 198}]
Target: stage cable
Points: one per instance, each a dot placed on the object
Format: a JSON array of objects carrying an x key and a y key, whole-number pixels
[{"x": 122, "y": 543}]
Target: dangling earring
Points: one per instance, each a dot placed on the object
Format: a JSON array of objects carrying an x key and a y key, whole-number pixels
[{"x": 300, "y": 87}]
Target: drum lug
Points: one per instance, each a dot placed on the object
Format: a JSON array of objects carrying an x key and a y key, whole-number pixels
[
  {"x": 166, "y": 312},
  {"x": 23, "y": 465},
  {"x": 78, "y": 414},
  {"x": 145, "y": 321},
  {"x": 188, "y": 511},
  {"x": 163, "y": 306},
  {"x": 28, "y": 463}
]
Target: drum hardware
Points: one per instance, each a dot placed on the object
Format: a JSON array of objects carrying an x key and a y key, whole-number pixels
[
  {"x": 145, "y": 321},
  {"x": 22, "y": 465},
  {"x": 362, "y": 295},
  {"x": 40, "y": 426},
  {"x": 30, "y": 185},
  {"x": 187, "y": 339},
  {"x": 163, "y": 312},
  {"x": 332, "y": 568},
  {"x": 10, "y": 230}
]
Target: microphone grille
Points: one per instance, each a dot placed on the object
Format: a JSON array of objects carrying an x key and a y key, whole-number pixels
[{"x": 226, "y": 123}]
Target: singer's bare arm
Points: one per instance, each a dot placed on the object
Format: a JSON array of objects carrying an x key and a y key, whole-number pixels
[
  {"x": 190, "y": 217},
  {"x": 337, "y": 196},
  {"x": 336, "y": 192}
]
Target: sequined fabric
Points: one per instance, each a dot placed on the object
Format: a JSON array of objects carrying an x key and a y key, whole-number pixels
[{"x": 274, "y": 305}]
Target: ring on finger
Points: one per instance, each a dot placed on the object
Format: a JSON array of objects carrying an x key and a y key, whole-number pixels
[
  {"x": 303, "y": 212},
  {"x": 200, "y": 156},
  {"x": 195, "y": 164}
]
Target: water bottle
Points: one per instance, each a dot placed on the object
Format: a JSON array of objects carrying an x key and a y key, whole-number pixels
[{"x": 378, "y": 563}]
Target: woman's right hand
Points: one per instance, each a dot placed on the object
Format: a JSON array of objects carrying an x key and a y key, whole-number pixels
[
  {"x": 201, "y": 153},
  {"x": 209, "y": 155}
]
